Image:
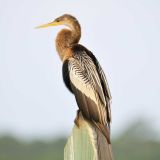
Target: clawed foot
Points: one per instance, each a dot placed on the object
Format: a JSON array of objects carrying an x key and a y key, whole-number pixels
[{"x": 76, "y": 121}]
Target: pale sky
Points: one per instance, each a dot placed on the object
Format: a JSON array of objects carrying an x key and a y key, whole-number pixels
[{"x": 123, "y": 35}]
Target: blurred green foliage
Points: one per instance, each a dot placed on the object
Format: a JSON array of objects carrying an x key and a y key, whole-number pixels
[
  {"x": 134, "y": 144},
  {"x": 138, "y": 142}
]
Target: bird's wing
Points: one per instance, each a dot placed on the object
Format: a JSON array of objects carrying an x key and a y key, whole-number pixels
[
  {"x": 81, "y": 50},
  {"x": 86, "y": 85},
  {"x": 106, "y": 91},
  {"x": 104, "y": 81},
  {"x": 104, "y": 84}
]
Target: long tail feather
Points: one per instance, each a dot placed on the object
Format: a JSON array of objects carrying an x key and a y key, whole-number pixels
[{"x": 104, "y": 148}]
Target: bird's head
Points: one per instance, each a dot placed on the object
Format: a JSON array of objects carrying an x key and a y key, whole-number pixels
[{"x": 65, "y": 19}]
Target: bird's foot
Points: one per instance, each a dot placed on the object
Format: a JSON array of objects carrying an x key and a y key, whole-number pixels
[{"x": 76, "y": 121}]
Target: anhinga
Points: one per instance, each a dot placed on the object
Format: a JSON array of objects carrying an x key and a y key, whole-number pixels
[{"x": 83, "y": 76}]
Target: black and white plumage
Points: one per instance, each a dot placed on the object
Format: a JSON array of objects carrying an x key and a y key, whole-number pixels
[{"x": 85, "y": 78}]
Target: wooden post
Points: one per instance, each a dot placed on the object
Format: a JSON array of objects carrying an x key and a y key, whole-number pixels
[
  {"x": 87, "y": 143},
  {"x": 81, "y": 145}
]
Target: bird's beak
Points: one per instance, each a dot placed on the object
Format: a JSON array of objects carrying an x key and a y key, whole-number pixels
[{"x": 54, "y": 23}]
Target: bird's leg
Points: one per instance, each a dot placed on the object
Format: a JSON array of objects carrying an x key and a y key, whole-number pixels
[{"x": 76, "y": 121}]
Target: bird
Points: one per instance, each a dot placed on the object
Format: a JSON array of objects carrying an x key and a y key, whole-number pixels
[{"x": 83, "y": 76}]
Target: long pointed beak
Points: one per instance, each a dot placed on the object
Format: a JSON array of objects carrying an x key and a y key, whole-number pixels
[{"x": 54, "y": 23}]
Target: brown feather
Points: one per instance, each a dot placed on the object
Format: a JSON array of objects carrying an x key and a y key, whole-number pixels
[
  {"x": 89, "y": 111},
  {"x": 104, "y": 148}
]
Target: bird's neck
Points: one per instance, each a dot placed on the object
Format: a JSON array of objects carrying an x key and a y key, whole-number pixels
[{"x": 66, "y": 38}]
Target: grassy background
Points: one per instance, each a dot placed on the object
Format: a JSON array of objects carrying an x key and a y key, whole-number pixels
[{"x": 136, "y": 142}]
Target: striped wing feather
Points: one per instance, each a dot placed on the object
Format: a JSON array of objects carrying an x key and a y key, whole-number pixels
[
  {"x": 104, "y": 84},
  {"x": 87, "y": 89},
  {"x": 85, "y": 78}
]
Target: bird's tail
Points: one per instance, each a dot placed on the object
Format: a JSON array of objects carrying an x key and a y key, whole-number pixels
[
  {"x": 102, "y": 137},
  {"x": 104, "y": 147}
]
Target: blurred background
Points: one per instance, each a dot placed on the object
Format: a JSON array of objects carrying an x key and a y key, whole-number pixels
[{"x": 37, "y": 111}]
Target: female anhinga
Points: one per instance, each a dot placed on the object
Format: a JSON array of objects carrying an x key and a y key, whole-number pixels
[{"x": 83, "y": 76}]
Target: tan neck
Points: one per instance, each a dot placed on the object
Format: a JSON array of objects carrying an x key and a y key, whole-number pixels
[{"x": 66, "y": 38}]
